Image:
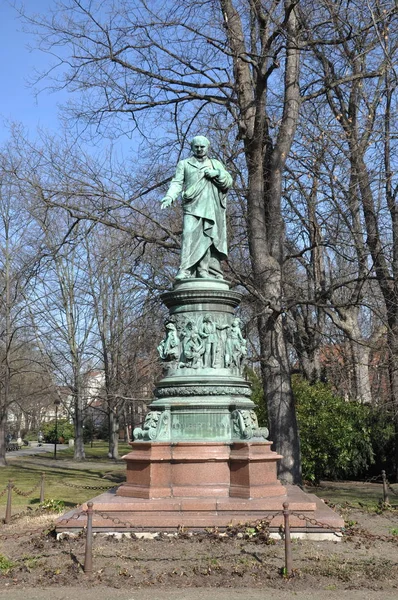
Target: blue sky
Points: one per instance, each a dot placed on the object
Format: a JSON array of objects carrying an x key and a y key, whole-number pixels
[{"x": 17, "y": 101}]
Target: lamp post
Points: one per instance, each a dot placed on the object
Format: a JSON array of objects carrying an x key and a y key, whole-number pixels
[{"x": 56, "y": 403}]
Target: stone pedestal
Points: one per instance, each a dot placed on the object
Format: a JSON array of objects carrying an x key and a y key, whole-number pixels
[
  {"x": 253, "y": 471},
  {"x": 201, "y": 470},
  {"x": 164, "y": 470}
]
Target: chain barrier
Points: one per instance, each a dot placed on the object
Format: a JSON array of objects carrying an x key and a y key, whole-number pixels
[
  {"x": 269, "y": 518},
  {"x": 287, "y": 571},
  {"x": 114, "y": 520},
  {"x": 391, "y": 488},
  {"x": 26, "y": 494},
  {"x": 11, "y": 487},
  {"x": 257, "y": 525},
  {"x": 87, "y": 487},
  {"x": 351, "y": 532},
  {"x": 373, "y": 479},
  {"x": 27, "y": 532},
  {"x": 74, "y": 517},
  {"x": 312, "y": 521}
]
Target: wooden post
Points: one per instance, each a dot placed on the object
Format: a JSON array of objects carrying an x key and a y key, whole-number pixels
[{"x": 88, "y": 557}]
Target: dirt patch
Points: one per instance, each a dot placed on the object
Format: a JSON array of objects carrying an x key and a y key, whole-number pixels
[{"x": 366, "y": 558}]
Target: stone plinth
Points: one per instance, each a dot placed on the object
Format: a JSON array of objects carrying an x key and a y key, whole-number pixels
[
  {"x": 114, "y": 512},
  {"x": 253, "y": 471},
  {"x": 160, "y": 470},
  {"x": 202, "y": 469}
]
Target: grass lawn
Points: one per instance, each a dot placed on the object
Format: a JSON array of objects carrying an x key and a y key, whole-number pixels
[
  {"x": 354, "y": 493},
  {"x": 96, "y": 471},
  {"x": 99, "y": 451}
]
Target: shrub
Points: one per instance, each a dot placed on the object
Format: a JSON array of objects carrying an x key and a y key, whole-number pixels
[
  {"x": 339, "y": 438},
  {"x": 335, "y": 434},
  {"x": 381, "y": 421},
  {"x": 31, "y": 436},
  {"x": 53, "y": 505},
  {"x": 64, "y": 430},
  {"x": 5, "y": 564},
  {"x": 257, "y": 396}
]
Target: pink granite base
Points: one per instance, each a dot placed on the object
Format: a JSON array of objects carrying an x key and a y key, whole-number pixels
[
  {"x": 118, "y": 513},
  {"x": 202, "y": 485},
  {"x": 201, "y": 469}
]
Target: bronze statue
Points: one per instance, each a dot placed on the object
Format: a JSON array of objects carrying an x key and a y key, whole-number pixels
[{"x": 203, "y": 183}]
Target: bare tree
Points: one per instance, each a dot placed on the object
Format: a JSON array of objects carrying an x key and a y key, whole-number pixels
[
  {"x": 118, "y": 303},
  {"x": 19, "y": 251},
  {"x": 63, "y": 314},
  {"x": 364, "y": 119},
  {"x": 144, "y": 60},
  {"x": 135, "y": 64}
]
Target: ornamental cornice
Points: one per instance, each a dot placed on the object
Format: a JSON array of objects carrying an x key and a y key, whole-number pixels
[
  {"x": 202, "y": 390},
  {"x": 202, "y": 296}
]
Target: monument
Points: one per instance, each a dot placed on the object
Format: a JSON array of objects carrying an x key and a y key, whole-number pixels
[
  {"x": 200, "y": 458},
  {"x": 203, "y": 395}
]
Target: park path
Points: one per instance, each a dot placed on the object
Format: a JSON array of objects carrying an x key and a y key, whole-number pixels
[
  {"x": 104, "y": 593},
  {"x": 27, "y": 454},
  {"x": 31, "y": 451}
]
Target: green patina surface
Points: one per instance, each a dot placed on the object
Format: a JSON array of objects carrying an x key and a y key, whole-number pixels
[{"x": 202, "y": 395}]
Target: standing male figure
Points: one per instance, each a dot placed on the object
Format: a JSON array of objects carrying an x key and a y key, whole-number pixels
[{"x": 203, "y": 183}]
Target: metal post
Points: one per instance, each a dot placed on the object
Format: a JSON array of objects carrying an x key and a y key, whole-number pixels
[
  {"x": 10, "y": 485},
  {"x": 288, "y": 543},
  {"x": 88, "y": 557},
  {"x": 43, "y": 475},
  {"x": 386, "y": 499}
]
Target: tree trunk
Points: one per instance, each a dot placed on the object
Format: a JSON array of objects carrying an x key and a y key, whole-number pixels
[
  {"x": 126, "y": 424},
  {"x": 79, "y": 453},
  {"x": 393, "y": 377},
  {"x": 113, "y": 435},
  {"x": 267, "y": 271},
  {"x": 3, "y": 424},
  {"x": 360, "y": 354},
  {"x": 279, "y": 397}
]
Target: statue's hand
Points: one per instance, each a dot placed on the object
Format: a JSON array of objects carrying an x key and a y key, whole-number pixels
[
  {"x": 165, "y": 202},
  {"x": 211, "y": 173}
]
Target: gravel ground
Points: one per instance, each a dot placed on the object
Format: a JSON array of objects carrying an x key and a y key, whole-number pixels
[
  {"x": 107, "y": 593},
  {"x": 205, "y": 566}
]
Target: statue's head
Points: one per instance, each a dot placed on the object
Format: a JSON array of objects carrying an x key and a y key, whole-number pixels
[{"x": 200, "y": 146}]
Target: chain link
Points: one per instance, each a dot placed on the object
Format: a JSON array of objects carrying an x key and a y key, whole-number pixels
[
  {"x": 72, "y": 518},
  {"x": 87, "y": 487},
  {"x": 4, "y": 491},
  {"x": 26, "y": 532},
  {"x": 269, "y": 518},
  {"x": 391, "y": 488},
  {"x": 115, "y": 520},
  {"x": 373, "y": 479},
  {"x": 26, "y": 494},
  {"x": 312, "y": 521}
]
